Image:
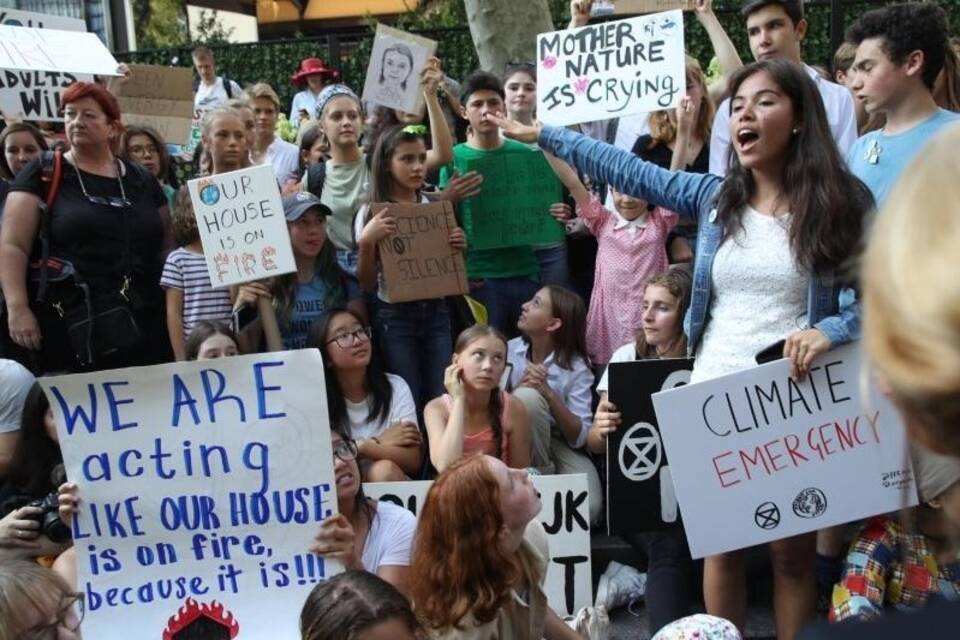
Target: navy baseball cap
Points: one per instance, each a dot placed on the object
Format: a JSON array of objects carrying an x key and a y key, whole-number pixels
[{"x": 297, "y": 204}]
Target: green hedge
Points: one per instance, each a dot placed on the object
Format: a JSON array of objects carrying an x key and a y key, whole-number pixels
[{"x": 274, "y": 62}]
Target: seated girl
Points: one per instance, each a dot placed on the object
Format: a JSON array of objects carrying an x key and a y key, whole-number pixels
[
  {"x": 551, "y": 376},
  {"x": 475, "y": 415},
  {"x": 357, "y": 604},
  {"x": 482, "y": 556},
  {"x": 210, "y": 340},
  {"x": 374, "y": 408}
]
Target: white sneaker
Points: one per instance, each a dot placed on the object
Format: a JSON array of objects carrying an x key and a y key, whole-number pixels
[{"x": 620, "y": 585}]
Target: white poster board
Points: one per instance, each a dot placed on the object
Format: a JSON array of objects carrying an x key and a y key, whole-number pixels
[
  {"x": 393, "y": 74},
  {"x": 757, "y": 457},
  {"x": 32, "y": 49},
  {"x": 35, "y": 95},
  {"x": 242, "y": 226},
  {"x": 611, "y": 69},
  {"x": 565, "y": 517},
  {"x": 201, "y": 483}
]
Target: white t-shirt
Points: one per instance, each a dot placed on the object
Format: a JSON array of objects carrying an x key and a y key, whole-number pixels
[
  {"x": 402, "y": 409},
  {"x": 285, "y": 158},
  {"x": 626, "y": 353},
  {"x": 210, "y": 97},
  {"x": 836, "y": 101},
  {"x": 390, "y": 539}
]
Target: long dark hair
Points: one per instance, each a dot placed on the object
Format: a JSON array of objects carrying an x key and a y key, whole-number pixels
[
  {"x": 827, "y": 202},
  {"x": 375, "y": 378},
  {"x": 35, "y": 455},
  {"x": 570, "y": 340},
  {"x": 350, "y": 603},
  {"x": 495, "y": 406},
  {"x": 381, "y": 179},
  {"x": 17, "y": 127},
  {"x": 166, "y": 173}
]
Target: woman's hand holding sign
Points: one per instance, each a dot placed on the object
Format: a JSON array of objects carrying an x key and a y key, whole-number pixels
[{"x": 338, "y": 540}]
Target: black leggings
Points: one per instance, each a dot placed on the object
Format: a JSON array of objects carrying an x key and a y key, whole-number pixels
[{"x": 668, "y": 574}]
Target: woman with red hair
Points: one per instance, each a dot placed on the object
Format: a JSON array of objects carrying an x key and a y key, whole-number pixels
[
  {"x": 481, "y": 556},
  {"x": 108, "y": 229}
]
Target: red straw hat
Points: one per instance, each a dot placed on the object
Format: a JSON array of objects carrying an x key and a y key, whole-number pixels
[{"x": 313, "y": 67}]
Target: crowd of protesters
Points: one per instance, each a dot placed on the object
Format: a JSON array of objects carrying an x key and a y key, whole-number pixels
[{"x": 775, "y": 203}]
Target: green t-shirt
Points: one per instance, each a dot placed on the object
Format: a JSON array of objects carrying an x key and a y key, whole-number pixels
[
  {"x": 344, "y": 187},
  {"x": 492, "y": 263}
]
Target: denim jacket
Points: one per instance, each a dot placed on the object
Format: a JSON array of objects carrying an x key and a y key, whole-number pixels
[{"x": 831, "y": 307}]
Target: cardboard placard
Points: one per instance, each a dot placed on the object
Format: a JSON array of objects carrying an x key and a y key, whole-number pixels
[
  {"x": 202, "y": 487},
  {"x": 625, "y": 7},
  {"x": 611, "y": 69},
  {"x": 35, "y": 95},
  {"x": 32, "y": 49},
  {"x": 242, "y": 226},
  {"x": 755, "y": 456},
  {"x": 513, "y": 207},
  {"x": 159, "y": 97},
  {"x": 640, "y": 495},
  {"x": 393, "y": 73},
  {"x": 417, "y": 261},
  {"x": 565, "y": 517}
]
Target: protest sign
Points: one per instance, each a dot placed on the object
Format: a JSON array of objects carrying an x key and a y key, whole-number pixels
[
  {"x": 159, "y": 97},
  {"x": 621, "y": 7},
  {"x": 32, "y": 49},
  {"x": 242, "y": 226},
  {"x": 640, "y": 494},
  {"x": 565, "y": 517},
  {"x": 35, "y": 95},
  {"x": 393, "y": 73},
  {"x": 417, "y": 261},
  {"x": 513, "y": 207},
  {"x": 611, "y": 69},
  {"x": 757, "y": 457},
  {"x": 202, "y": 486}
]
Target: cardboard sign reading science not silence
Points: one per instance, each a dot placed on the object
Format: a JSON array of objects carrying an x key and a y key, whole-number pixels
[
  {"x": 755, "y": 456},
  {"x": 418, "y": 262},
  {"x": 242, "y": 226},
  {"x": 202, "y": 486}
]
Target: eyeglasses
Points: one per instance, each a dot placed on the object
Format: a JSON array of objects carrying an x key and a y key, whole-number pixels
[
  {"x": 69, "y": 602},
  {"x": 140, "y": 150},
  {"x": 346, "y": 451},
  {"x": 109, "y": 201},
  {"x": 347, "y": 340}
]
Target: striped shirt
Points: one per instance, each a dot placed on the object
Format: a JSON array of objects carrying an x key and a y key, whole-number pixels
[{"x": 187, "y": 271}]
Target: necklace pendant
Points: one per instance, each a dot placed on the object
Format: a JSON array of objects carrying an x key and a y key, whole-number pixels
[{"x": 873, "y": 153}]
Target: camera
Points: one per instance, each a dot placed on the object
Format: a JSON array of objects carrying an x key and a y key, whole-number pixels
[{"x": 49, "y": 518}]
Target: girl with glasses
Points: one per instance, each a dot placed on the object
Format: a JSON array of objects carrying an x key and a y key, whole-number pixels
[
  {"x": 144, "y": 146},
  {"x": 372, "y": 406},
  {"x": 365, "y": 534}
]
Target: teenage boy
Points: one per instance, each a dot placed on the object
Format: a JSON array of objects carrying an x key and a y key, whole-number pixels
[
  {"x": 900, "y": 51},
  {"x": 212, "y": 90},
  {"x": 501, "y": 279},
  {"x": 268, "y": 147},
  {"x": 775, "y": 29}
]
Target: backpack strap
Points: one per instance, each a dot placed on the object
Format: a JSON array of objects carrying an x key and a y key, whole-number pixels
[
  {"x": 227, "y": 86},
  {"x": 51, "y": 175},
  {"x": 316, "y": 175}
]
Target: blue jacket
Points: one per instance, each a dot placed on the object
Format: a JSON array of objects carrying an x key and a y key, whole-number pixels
[{"x": 831, "y": 307}]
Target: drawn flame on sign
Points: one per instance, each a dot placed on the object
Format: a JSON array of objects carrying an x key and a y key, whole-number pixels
[{"x": 192, "y": 610}]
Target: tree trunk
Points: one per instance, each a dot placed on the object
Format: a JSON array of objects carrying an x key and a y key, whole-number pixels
[{"x": 506, "y": 30}]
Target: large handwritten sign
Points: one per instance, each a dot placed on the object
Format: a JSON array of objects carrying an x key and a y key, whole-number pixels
[
  {"x": 513, "y": 207},
  {"x": 611, "y": 69},
  {"x": 638, "y": 472},
  {"x": 418, "y": 262},
  {"x": 35, "y": 95},
  {"x": 565, "y": 517},
  {"x": 757, "y": 457},
  {"x": 242, "y": 226},
  {"x": 202, "y": 486},
  {"x": 159, "y": 97},
  {"x": 32, "y": 49}
]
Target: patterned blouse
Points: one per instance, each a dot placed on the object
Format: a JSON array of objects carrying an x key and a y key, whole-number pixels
[{"x": 889, "y": 568}]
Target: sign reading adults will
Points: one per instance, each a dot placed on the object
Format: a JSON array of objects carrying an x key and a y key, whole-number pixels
[
  {"x": 35, "y": 95},
  {"x": 757, "y": 457},
  {"x": 202, "y": 486},
  {"x": 611, "y": 69},
  {"x": 640, "y": 494},
  {"x": 513, "y": 207},
  {"x": 32, "y": 49},
  {"x": 565, "y": 518},
  {"x": 242, "y": 226},
  {"x": 418, "y": 262}
]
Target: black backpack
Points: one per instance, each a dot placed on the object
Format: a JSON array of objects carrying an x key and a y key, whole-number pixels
[{"x": 316, "y": 174}]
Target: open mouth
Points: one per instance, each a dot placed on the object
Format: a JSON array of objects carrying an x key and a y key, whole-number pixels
[{"x": 747, "y": 138}]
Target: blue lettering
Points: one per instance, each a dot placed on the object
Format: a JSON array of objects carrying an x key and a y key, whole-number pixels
[
  {"x": 114, "y": 403},
  {"x": 262, "y": 390},
  {"x": 181, "y": 397},
  {"x": 89, "y": 421},
  {"x": 213, "y": 397}
]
